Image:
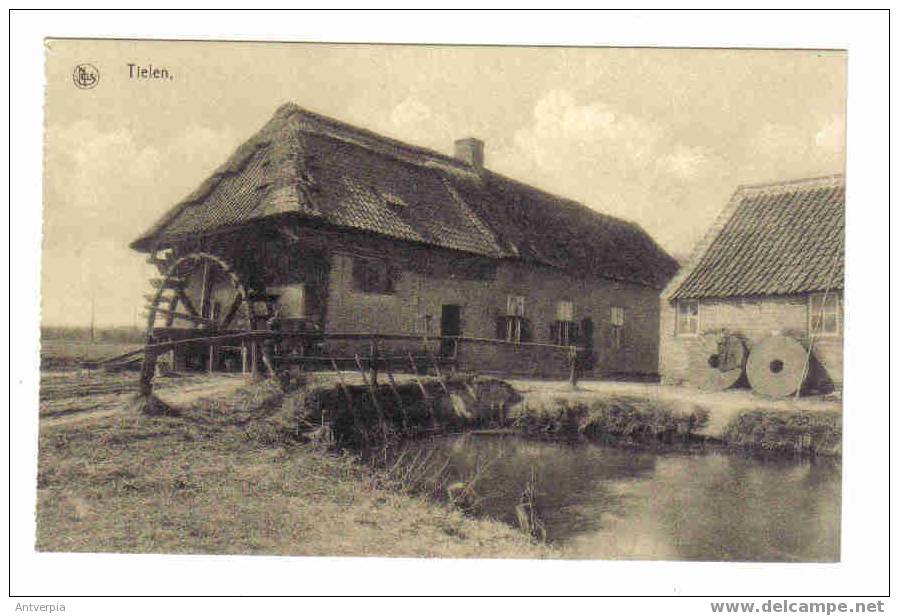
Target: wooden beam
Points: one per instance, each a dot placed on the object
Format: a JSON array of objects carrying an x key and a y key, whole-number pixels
[
  {"x": 152, "y": 297},
  {"x": 180, "y": 315},
  {"x": 344, "y": 388},
  {"x": 232, "y": 311},
  {"x": 421, "y": 386},
  {"x": 186, "y": 301},
  {"x": 173, "y": 306},
  {"x": 162, "y": 263},
  {"x": 396, "y": 394},
  {"x": 204, "y": 289},
  {"x": 373, "y": 392},
  {"x": 168, "y": 283}
]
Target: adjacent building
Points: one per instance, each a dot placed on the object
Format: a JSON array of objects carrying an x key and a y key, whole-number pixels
[{"x": 772, "y": 263}]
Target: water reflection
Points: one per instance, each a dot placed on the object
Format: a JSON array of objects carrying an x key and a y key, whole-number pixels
[{"x": 607, "y": 502}]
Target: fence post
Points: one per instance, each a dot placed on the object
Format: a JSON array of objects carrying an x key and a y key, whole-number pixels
[
  {"x": 374, "y": 361},
  {"x": 254, "y": 358},
  {"x": 211, "y": 362},
  {"x": 147, "y": 372},
  {"x": 572, "y": 357}
]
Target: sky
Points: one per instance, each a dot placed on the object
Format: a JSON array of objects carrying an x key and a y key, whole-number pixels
[{"x": 661, "y": 137}]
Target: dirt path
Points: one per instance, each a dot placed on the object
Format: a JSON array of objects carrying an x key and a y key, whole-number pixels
[
  {"x": 723, "y": 406},
  {"x": 73, "y": 396}
]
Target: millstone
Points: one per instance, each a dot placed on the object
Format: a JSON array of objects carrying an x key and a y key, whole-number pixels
[
  {"x": 706, "y": 364},
  {"x": 776, "y": 366}
]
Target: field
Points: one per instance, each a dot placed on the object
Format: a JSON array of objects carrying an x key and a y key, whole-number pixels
[
  {"x": 59, "y": 353},
  {"x": 225, "y": 475}
]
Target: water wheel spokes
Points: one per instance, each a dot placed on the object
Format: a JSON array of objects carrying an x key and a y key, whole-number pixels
[{"x": 196, "y": 296}]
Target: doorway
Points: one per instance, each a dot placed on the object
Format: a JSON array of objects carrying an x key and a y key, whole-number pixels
[{"x": 450, "y": 325}]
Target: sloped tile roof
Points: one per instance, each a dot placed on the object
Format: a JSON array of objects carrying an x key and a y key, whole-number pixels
[
  {"x": 306, "y": 165},
  {"x": 776, "y": 239}
]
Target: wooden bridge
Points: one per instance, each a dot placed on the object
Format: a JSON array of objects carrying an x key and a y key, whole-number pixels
[{"x": 272, "y": 352}]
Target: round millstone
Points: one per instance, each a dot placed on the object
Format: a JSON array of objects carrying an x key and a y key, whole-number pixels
[{"x": 777, "y": 366}]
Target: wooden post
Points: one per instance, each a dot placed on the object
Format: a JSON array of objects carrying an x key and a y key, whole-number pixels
[
  {"x": 373, "y": 390},
  {"x": 572, "y": 352},
  {"x": 396, "y": 394},
  {"x": 243, "y": 357},
  {"x": 374, "y": 361},
  {"x": 268, "y": 356},
  {"x": 343, "y": 387},
  {"x": 436, "y": 362},
  {"x": 421, "y": 386},
  {"x": 204, "y": 290},
  {"x": 147, "y": 372},
  {"x": 254, "y": 359}
]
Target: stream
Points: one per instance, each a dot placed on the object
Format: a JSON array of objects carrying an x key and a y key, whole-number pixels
[{"x": 609, "y": 502}]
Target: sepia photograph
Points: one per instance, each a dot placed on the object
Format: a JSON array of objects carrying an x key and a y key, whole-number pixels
[
  {"x": 371, "y": 310},
  {"x": 423, "y": 302}
]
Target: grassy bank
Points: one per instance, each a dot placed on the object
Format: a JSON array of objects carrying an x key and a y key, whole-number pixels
[
  {"x": 788, "y": 432},
  {"x": 229, "y": 477},
  {"x": 630, "y": 420},
  {"x": 626, "y": 419}
]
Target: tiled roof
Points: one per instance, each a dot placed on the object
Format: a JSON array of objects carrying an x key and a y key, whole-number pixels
[
  {"x": 306, "y": 165},
  {"x": 774, "y": 239}
]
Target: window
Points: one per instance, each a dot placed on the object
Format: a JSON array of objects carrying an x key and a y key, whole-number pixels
[
  {"x": 515, "y": 306},
  {"x": 513, "y": 327},
  {"x": 616, "y": 319},
  {"x": 565, "y": 311},
  {"x": 372, "y": 276},
  {"x": 687, "y": 317},
  {"x": 824, "y": 314},
  {"x": 563, "y": 330}
]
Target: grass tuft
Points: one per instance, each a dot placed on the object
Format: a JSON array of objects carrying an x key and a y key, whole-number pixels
[
  {"x": 629, "y": 419},
  {"x": 803, "y": 432}
]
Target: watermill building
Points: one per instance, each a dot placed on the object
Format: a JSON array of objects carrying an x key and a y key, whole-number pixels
[{"x": 338, "y": 229}]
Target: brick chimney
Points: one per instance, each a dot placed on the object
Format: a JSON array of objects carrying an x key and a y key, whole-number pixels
[{"x": 471, "y": 152}]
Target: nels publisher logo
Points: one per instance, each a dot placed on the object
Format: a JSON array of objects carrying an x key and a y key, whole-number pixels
[{"x": 86, "y": 76}]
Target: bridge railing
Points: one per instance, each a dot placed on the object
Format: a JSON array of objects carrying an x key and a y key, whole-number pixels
[{"x": 370, "y": 353}]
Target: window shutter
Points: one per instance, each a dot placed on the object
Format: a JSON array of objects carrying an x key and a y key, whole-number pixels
[
  {"x": 393, "y": 274},
  {"x": 526, "y": 331},
  {"x": 586, "y": 332},
  {"x": 359, "y": 282},
  {"x": 500, "y": 328}
]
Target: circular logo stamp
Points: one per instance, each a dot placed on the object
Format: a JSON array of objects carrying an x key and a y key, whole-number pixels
[{"x": 86, "y": 76}]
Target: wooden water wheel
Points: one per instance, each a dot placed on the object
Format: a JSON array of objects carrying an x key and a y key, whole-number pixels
[
  {"x": 717, "y": 361},
  {"x": 777, "y": 366},
  {"x": 199, "y": 295}
]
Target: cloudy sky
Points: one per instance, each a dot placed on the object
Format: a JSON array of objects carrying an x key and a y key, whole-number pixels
[{"x": 661, "y": 137}]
